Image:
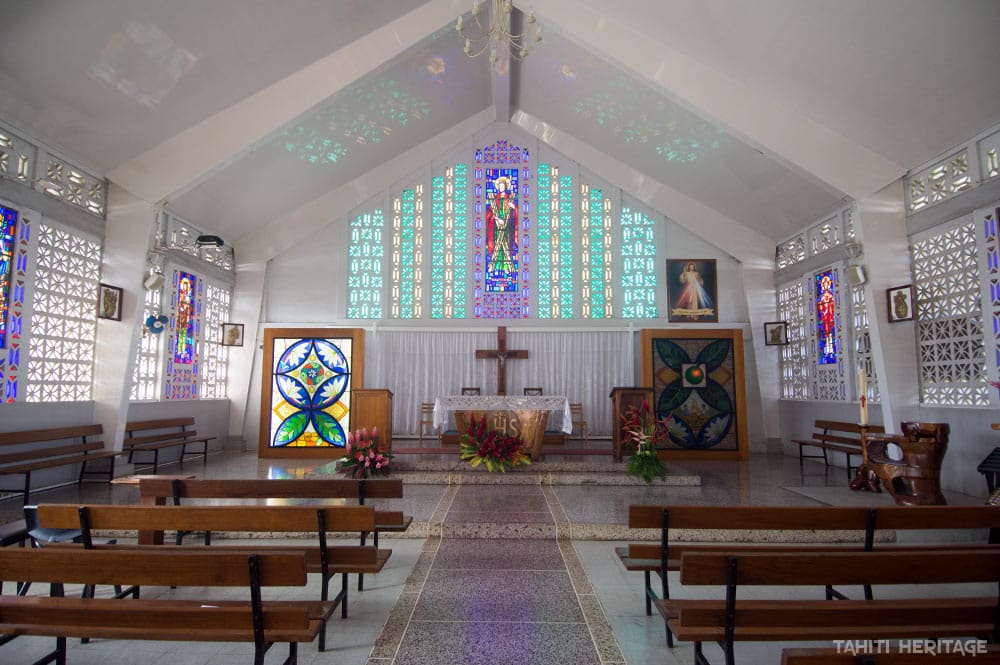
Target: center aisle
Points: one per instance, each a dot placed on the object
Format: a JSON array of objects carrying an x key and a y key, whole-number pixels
[{"x": 498, "y": 588}]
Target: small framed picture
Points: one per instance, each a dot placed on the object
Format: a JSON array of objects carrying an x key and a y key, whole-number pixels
[
  {"x": 109, "y": 302},
  {"x": 232, "y": 334},
  {"x": 776, "y": 333},
  {"x": 900, "y": 303}
]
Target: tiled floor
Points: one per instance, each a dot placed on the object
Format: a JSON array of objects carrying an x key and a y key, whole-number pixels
[{"x": 518, "y": 574}]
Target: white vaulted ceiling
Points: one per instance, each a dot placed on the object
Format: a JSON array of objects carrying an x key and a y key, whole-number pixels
[{"x": 239, "y": 113}]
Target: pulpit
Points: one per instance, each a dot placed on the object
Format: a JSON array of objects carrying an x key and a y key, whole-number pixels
[
  {"x": 373, "y": 408},
  {"x": 622, "y": 398},
  {"x": 915, "y": 478}
]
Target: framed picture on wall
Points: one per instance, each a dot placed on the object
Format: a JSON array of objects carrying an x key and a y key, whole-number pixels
[
  {"x": 692, "y": 290},
  {"x": 232, "y": 334},
  {"x": 109, "y": 302},
  {"x": 776, "y": 333},
  {"x": 900, "y": 303}
]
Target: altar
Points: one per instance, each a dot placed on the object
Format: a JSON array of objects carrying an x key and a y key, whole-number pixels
[{"x": 523, "y": 416}]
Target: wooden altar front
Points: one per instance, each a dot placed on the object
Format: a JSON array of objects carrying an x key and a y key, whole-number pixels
[{"x": 525, "y": 417}]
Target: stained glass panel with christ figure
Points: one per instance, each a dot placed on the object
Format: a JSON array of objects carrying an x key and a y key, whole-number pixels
[
  {"x": 826, "y": 317},
  {"x": 8, "y": 223}
]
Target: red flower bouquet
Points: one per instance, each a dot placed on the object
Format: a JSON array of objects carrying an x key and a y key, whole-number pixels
[
  {"x": 362, "y": 458},
  {"x": 497, "y": 451},
  {"x": 642, "y": 432}
]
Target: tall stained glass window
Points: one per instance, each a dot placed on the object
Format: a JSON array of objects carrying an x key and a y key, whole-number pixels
[
  {"x": 826, "y": 317},
  {"x": 595, "y": 224},
  {"x": 502, "y": 251},
  {"x": 182, "y": 369},
  {"x": 185, "y": 319},
  {"x": 448, "y": 243},
  {"x": 555, "y": 244},
  {"x": 364, "y": 277},
  {"x": 638, "y": 265},
  {"x": 408, "y": 254},
  {"x": 8, "y": 226}
]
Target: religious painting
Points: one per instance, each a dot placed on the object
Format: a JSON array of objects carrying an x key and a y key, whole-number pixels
[
  {"x": 692, "y": 290},
  {"x": 776, "y": 333},
  {"x": 698, "y": 386},
  {"x": 826, "y": 317},
  {"x": 900, "y": 303},
  {"x": 232, "y": 334},
  {"x": 306, "y": 397},
  {"x": 109, "y": 302},
  {"x": 8, "y": 225}
]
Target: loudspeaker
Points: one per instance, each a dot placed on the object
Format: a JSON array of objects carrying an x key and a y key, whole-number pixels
[
  {"x": 855, "y": 275},
  {"x": 153, "y": 281}
]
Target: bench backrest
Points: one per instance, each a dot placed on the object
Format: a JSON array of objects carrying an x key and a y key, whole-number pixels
[
  {"x": 938, "y": 517},
  {"x": 162, "y": 423},
  {"x": 306, "y": 488},
  {"x": 151, "y": 567},
  {"x": 53, "y": 434},
  {"x": 285, "y": 519},
  {"x": 840, "y": 426},
  {"x": 838, "y": 568},
  {"x": 749, "y": 517},
  {"x": 51, "y": 451}
]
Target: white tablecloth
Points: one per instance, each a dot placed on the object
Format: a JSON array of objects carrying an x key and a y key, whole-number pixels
[{"x": 443, "y": 406}]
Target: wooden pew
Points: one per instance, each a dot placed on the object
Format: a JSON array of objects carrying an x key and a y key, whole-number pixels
[
  {"x": 260, "y": 622},
  {"x": 321, "y": 558},
  {"x": 166, "y": 433},
  {"x": 841, "y": 437},
  {"x": 157, "y": 491},
  {"x": 858, "y": 526},
  {"x": 731, "y": 620},
  {"x": 37, "y": 449},
  {"x": 879, "y": 655}
]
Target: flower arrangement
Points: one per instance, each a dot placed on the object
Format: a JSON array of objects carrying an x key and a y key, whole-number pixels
[
  {"x": 642, "y": 431},
  {"x": 497, "y": 451},
  {"x": 362, "y": 458}
]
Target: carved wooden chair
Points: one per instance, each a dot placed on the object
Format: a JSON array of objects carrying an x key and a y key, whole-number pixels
[
  {"x": 471, "y": 390},
  {"x": 576, "y": 410},
  {"x": 533, "y": 392},
  {"x": 427, "y": 420},
  {"x": 914, "y": 478}
]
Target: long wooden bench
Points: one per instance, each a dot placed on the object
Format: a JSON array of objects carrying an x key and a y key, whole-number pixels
[
  {"x": 925, "y": 616},
  {"x": 310, "y": 521},
  {"x": 260, "y": 622},
  {"x": 837, "y": 436},
  {"x": 960, "y": 653},
  {"x": 152, "y": 436},
  {"x": 38, "y": 449},
  {"x": 856, "y": 528},
  {"x": 157, "y": 491}
]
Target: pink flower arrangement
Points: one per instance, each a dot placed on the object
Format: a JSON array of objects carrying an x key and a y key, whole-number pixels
[
  {"x": 362, "y": 458},
  {"x": 642, "y": 432},
  {"x": 497, "y": 451}
]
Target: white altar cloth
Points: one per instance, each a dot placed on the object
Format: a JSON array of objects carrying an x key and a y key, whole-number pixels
[{"x": 443, "y": 406}]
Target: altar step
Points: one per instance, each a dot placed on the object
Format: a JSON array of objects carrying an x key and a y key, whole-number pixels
[{"x": 544, "y": 472}]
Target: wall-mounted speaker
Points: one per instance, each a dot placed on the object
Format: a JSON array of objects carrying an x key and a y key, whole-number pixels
[{"x": 855, "y": 275}]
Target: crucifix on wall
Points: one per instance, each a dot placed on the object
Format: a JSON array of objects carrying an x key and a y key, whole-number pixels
[{"x": 502, "y": 355}]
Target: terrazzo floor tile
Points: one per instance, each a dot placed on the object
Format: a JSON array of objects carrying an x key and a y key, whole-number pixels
[
  {"x": 502, "y": 595},
  {"x": 492, "y": 643},
  {"x": 494, "y": 517},
  {"x": 468, "y": 554}
]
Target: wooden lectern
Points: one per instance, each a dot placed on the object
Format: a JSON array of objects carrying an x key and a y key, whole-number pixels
[
  {"x": 621, "y": 399},
  {"x": 373, "y": 408}
]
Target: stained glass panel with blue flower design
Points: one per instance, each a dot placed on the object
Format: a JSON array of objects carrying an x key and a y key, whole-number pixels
[{"x": 8, "y": 222}]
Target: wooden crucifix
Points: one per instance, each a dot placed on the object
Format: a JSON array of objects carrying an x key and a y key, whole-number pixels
[{"x": 502, "y": 354}]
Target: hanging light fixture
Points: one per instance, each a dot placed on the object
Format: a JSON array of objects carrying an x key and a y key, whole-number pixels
[{"x": 498, "y": 34}]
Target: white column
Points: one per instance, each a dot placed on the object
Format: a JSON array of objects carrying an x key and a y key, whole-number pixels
[
  {"x": 248, "y": 296},
  {"x": 130, "y": 226},
  {"x": 758, "y": 282},
  {"x": 881, "y": 228}
]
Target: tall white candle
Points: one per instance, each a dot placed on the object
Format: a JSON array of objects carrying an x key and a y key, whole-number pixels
[{"x": 863, "y": 395}]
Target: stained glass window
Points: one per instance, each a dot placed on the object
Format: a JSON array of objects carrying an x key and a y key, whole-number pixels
[
  {"x": 10, "y": 362},
  {"x": 555, "y": 244},
  {"x": 595, "y": 224},
  {"x": 364, "y": 277},
  {"x": 638, "y": 249},
  {"x": 502, "y": 250},
  {"x": 826, "y": 317},
  {"x": 8, "y": 227},
  {"x": 408, "y": 254},
  {"x": 185, "y": 328},
  {"x": 448, "y": 245},
  {"x": 310, "y": 392},
  {"x": 182, "y": 368}
]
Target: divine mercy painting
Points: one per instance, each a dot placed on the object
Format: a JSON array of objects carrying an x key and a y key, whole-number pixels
[{"x": 692, "y": 291}]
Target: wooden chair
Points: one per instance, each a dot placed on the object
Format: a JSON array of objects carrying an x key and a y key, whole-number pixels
[
  {"x": 471, "y": 390},
  {"x": 533, "y": 392},
  {"x": 427, "y": 419},
  {"x": 576, "y": 409}
]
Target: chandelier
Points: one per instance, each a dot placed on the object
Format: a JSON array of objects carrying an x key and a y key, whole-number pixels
[{"x": 498, "y": 35}]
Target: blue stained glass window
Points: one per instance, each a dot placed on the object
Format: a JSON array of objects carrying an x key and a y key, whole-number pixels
[
  {"x": 186, "y": 315},
  {"x": 826, "y": 317},
  {"x": 8, "y": 224}
]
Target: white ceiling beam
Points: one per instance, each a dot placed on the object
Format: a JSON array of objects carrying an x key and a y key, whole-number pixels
[
  {"x": 752, "y": 115},
  {"x": 188, "y": 157},
  {"x": 738, "y": 240},
  {"x": 297, "y": 225}
]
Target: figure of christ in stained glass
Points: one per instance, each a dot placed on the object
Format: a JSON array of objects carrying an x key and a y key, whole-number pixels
[
  {"x": 185, "y": 328},
  {"x": 310, "y": 396},
  {"x": 501, "y": 230},
  {"x": 826, "y": 318},
  {"x": 8, "y": 223}
]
